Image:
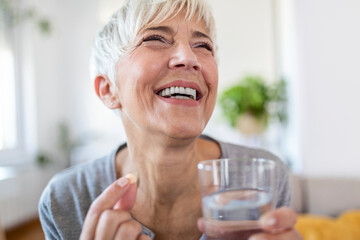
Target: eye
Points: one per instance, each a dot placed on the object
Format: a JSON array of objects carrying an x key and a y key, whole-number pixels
[
  {"x": 205, "y": 45},
  {"x": 155, "y": 37}
]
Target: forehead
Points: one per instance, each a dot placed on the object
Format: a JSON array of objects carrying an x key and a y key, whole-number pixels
[{"x": 173, "y": 24}]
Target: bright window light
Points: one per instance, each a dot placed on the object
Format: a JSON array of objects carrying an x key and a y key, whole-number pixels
[{"x": 8, "y": 133}]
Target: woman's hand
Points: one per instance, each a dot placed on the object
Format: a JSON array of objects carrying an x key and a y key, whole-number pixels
[
  {"x": 278, "y": 224},
  {"x": 109, "y": 215}
]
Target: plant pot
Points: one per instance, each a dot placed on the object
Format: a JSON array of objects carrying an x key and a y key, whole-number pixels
[{"x": 248, "y": 124}]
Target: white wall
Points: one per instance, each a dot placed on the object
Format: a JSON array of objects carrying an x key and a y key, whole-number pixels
[
  {"x": 328, "y": 59},
  {"x": 245, "y": 38},
  {"x": 64, "y": 91},
  {"x": 246, "y": 41}
]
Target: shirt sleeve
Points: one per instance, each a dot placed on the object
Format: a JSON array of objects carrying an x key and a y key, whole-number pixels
[
  {"x": 283, "y": 187},
  {"x": 46, "y": 218}
]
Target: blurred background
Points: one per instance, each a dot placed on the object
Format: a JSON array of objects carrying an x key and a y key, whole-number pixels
[{"x": 50, "y": 117}]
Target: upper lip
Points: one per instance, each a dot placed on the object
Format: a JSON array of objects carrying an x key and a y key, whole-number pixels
[{"x": 182, "y": 83}]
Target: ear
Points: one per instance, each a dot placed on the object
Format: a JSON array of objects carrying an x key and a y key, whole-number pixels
[{"x": 106, "y": 92}]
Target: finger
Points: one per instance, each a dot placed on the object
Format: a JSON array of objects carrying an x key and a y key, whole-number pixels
[
  {"x": 109, "y": 222},
  {"x": 228, "y": 229},
  {"x": 114, "y": 192},
  {"x": 290, "y": 234},
  {"x": 127, "y": 201},
  {"x": 129, "y": 230},
  {"x": 144, "y": 237},
  {"x": 106, "y": 200},
  {"x": 278, "y": 220},
  {"x": 201, "y": 224}
]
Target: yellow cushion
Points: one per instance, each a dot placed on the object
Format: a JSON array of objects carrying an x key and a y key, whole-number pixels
[
  {"x": 351, "y": 218},
  {"x": 347, "y": 226}
]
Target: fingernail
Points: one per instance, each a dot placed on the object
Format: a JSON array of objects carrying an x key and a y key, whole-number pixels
[
  {"x": 122, "y": 182},
  {"x": 270, "y": 222},
  {"x": 257, "y": 238},
  {"x": 131, "y": 178}
]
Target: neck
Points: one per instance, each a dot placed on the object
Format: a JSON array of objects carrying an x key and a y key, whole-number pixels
[
  {"x": 166, "y": 169},
  {"x": 168, "y": 199}
]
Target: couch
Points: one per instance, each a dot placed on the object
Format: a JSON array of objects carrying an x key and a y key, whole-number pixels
[{"x": 328, "y": 207}]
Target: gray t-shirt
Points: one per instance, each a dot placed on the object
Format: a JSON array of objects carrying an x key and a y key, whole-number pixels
[{"x": 69, "y": 194}]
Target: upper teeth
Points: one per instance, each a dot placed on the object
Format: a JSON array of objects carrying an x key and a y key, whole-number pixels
[{"x": 185, "y": 93}]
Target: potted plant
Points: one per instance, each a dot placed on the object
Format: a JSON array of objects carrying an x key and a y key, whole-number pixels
[
  {"x": 251, "y": 103},
  {"x": 12, "y": 14}
]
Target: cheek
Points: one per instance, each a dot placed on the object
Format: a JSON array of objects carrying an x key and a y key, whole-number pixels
[
  {"x": 214, "y": 72},
  {"x": 142, "y": 70},
  {"x": 135, "y": 84},
  {"x": 211, "y": 77},
  {"x": 210, "y": 73},
  {"x": 129, "y": 78}
]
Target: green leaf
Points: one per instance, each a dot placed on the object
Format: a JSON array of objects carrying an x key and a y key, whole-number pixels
[{"x": 253, "y": 95}]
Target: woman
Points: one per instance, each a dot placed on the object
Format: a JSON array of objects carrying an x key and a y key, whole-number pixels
[{"x": 154, "y": 63}]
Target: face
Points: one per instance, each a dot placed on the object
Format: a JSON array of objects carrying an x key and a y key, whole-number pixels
[{"x": 168, "y": 83}]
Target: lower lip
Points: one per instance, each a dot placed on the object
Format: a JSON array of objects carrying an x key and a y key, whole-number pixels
[{"x": 182, "y": 102}]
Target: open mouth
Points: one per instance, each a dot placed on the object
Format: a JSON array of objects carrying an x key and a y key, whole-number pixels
[{"x": 179, "y": 93}]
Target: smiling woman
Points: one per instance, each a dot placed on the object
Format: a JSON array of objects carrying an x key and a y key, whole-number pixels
[
  {"x": 154, "y": 63},
  {"x": 180, "y": 54}
]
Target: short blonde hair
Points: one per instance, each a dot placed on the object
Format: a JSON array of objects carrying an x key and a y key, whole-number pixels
[{"x": 118, "y": 35}]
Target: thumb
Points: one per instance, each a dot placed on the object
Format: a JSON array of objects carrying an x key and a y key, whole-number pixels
[
  {"x": 278, "y": 219},
  {"x": 127, "y": 201},
  {"x": 201, "y": 224}
]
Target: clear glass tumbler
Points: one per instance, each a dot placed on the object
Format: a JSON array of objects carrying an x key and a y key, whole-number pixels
[{"x": 236, "y": 192}]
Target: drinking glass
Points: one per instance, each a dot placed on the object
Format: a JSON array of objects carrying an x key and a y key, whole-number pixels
[{"x": 235, "y": 193}]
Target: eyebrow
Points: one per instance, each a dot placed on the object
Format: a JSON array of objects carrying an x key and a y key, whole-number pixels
[
  {"x": 197, "y": 34},
  {"x": 159, "y": 28},
  {"x": 168, "y": 30}
]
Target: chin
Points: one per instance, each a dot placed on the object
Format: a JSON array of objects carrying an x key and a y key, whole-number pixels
[{"x": 184, "y": 131}]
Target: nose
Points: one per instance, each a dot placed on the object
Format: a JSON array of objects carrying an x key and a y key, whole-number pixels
[{"x": 183, "y": 57}]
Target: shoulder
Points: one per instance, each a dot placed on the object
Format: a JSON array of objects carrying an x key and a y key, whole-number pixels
[
  {"x": 230, "y": 150},
  {"x": 88, "y": 176},
  {"x": 68, "y": 195}
]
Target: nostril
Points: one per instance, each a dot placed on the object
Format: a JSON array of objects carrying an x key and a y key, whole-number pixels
[
  {"x": 180, "y": 65},
  {"x": 197, "y": 67}
]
